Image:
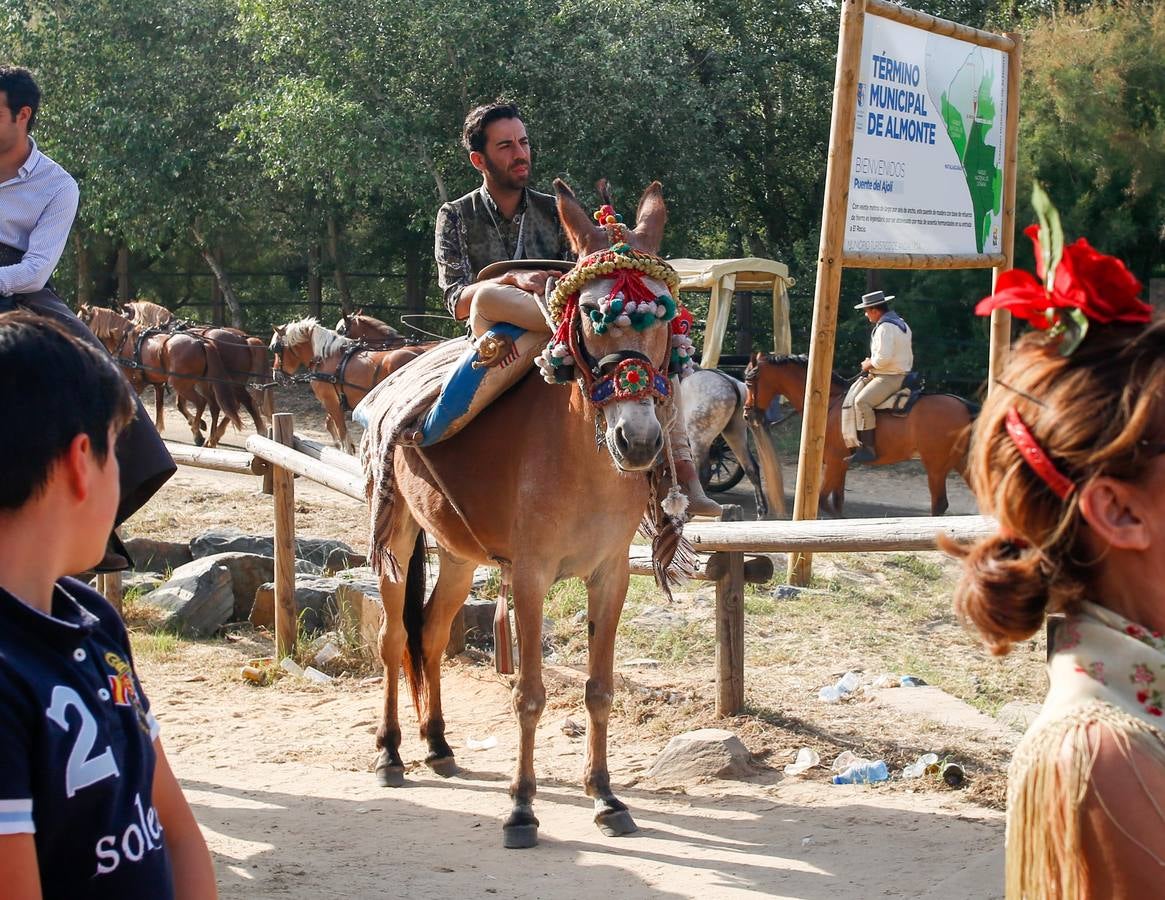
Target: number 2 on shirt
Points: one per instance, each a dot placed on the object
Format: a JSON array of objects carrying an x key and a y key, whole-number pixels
[{"x": 82, "y": 769}]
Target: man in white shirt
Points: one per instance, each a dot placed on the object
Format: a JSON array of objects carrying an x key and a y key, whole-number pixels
[
  {"x": 891, "y": 358},
  {"x": 38, "y": 201}
]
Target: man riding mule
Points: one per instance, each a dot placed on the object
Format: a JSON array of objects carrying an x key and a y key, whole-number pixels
[
  {"x": 38, "y": 201},
  {"x": 499, "y": 246},
  {"x": 883, "y": 372},
  {"x": 526, "y": 486}
]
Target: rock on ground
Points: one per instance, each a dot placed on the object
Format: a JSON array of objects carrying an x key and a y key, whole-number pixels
[
  {"x": 197, "y": 600},
  {"x": 706, "y": 753},
  {"x": 232, "y": 540},
  {"x": 149, "y": 555}
]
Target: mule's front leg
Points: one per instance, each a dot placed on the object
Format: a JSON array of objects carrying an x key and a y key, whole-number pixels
[
  {"x": 606, "y": 591},
  {"x": 529, "y": 699},
  {"x": 390, "y": 769}
]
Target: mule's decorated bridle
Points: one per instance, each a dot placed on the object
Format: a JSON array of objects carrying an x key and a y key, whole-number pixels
[{"x": 630, "y": 304}]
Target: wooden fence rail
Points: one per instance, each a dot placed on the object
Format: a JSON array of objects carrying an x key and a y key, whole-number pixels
[{"x": 734, "y": 549}]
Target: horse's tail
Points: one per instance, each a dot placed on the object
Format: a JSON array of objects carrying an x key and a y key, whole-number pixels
[
  {"x": 414, "y": 621},
  {"x": 772, "y": 480},
  {"x": 223, "y": 390}
]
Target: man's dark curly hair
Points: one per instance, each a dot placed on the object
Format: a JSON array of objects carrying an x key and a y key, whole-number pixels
[
  {"x": 479, "y": 118},
  {"x": 20, "y": 90}
]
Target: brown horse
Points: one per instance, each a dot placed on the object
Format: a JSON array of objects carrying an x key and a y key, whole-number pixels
[
  {"x": 341, "y": 370},
  {"x": 191, "y": 367},
  {"x": 370, "y": 331},
  {"x": 935, "y": 429},
  {"x": 538, "y": 496},
  {"x": 244, "y": 357}
]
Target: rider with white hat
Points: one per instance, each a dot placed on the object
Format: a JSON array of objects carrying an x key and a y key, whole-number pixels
[{"x": 883, "y": 371}]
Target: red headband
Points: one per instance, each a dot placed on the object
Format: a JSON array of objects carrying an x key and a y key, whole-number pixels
[{"x": 1034, "y": 455}]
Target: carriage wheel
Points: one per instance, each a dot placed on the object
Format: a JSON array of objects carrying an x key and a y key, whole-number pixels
[{"x": 723, "y": 470}]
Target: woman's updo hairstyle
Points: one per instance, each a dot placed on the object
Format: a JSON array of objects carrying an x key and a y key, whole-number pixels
[{"x": 1089, "y": 411}]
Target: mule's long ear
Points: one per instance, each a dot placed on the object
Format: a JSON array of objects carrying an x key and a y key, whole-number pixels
[
  {"x": 585, "y": 236},
  {"x": 650, "y": 218}
]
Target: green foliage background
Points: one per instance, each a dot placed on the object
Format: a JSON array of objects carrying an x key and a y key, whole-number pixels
[{"x": 261, "y": 129}]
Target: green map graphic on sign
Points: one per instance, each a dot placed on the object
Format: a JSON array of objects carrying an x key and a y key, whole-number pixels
[{"x": 966, "y": 89}]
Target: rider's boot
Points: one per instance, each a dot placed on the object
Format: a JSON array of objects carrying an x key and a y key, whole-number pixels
[
  {"x": 699, "y": 503},
  {"x": 866, "y": 452}
]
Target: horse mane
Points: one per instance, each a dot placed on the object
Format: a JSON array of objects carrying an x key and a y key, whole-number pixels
[
  {"x": 802, "y": 359},
  {"x": 324, "y": 341},
  {"x": 102, "y": 322},
  {"x": 145, "y": 312}
]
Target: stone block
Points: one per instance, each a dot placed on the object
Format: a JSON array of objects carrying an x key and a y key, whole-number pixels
[
  {"x": 706, "y": 753},
  {"x": 197, "y": 600},
  {"x": 315, "y": 599},
  {"x": 149, "y": 555},
  {"x": 232, "y": 540}
]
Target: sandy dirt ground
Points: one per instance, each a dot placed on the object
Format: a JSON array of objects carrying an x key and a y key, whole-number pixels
[{"x": 281, "y": 778}]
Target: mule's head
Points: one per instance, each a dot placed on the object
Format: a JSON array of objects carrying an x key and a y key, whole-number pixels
[
  {"x": 283, "y": 360},
  {"x": 619, "y": 300}
]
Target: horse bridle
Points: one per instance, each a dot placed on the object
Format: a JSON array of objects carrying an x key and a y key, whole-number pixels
[{"x": 753, "y": 414}]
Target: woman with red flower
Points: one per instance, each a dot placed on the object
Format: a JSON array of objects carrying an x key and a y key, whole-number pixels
[{"x": 1069, "y": 455}]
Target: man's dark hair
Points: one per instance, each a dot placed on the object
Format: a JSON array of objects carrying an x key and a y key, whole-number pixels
[
  {"x": 479, "y": 118},
  {"x": 20, "y": 88},
  {"x": 55, "y": 387}
]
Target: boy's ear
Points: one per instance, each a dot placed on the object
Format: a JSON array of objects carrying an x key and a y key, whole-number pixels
[
  {"x": 76, "y": 464},
  {"x": 1116, "y": 512}
]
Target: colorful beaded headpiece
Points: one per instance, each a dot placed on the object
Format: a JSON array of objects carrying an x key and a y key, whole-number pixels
[{"x": 631, "y": 302}]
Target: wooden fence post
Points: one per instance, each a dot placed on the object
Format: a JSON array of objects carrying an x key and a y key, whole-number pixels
[
  {"x": 109, "y": 584},
  {"x": 730, "y": 624},
  {"x": 456, "y": 643},
  {"x": 283, "y": 488}
]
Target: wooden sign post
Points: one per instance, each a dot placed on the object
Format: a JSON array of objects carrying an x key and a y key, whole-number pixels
[{"x": 833, "y": 255}]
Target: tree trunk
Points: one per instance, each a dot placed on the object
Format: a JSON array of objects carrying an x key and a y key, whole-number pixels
[
  {"x": 124, "y": 294},
  {"x": 334, "y": 234},
  {"x": 315, "y": 288},
  {"x": 217, "y": 313},
  {"x": 220, "y": 274},
  {"x": 414, "y": 293},
  {"x": 81, "y": 256}
]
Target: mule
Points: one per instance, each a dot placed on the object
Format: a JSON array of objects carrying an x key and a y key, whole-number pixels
[
  {"x": 936, "y": 429},
  {"x": 340, "y": 369},
  {"x": 714, "y": 405},
  {"x": 525, "y": 485}
]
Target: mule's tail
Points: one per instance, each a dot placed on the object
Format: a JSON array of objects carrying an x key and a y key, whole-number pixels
[
  {"x": 222, "y": 388},
  {"x": 414, "y": 622}
]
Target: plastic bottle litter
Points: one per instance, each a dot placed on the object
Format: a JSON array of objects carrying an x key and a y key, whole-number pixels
[
  {"x": 865, "y": 773},
  {"x": 845, "y": 686},
  {"x": 311, "y": 673},
  {"x": 485, "y": 744},
  {"x": 287, "y": 664},
  {"x": 911, "y": 681},
  {"x": 921, "y": 766},
  {"x": 326, "y": 654},
  {"x": 953, "y": 775},
  {"x": 806, "y": 759},
  {"x": 254, "y": 674}
]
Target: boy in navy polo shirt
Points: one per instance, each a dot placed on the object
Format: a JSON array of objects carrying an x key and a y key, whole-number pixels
[{"x": 89, "y": 808}]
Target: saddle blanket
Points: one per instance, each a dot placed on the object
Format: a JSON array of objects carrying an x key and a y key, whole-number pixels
[{"x": 429, "y": 400}]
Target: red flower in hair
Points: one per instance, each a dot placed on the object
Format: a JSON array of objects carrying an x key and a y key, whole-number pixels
[{"x": 1100, "y": 286}]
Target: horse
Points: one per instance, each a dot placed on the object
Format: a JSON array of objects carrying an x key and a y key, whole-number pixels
[
  {"x": 148, "y": 314},
  {"x": 714, "y": 405},
  {"x": 190, "y": 366},
  {"x": 244, "y": 357},
  {"x": 341, "y": 370},
  {"x": 534, "y": 483},
  {"x": 936, "y": 429},
  {"x": 370, "y": 331}
]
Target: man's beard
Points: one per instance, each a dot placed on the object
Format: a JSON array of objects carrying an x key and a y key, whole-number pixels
[{"x": 506, "y": 179}]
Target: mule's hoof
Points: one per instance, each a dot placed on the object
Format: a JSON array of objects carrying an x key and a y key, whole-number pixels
[
  {"x": 445, "y": 766},
  {"x": 519, "y": 837},
  {"x": 199, "y": 440},
  {"x": 390, "y": 776},
  {"x": 616, "y": 822}
]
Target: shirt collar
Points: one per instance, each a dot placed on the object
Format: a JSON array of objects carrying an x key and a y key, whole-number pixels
[
  {"x": 69, "y": 622},
  {"x": 33, "y": 158},
  {"x": 493, "y": 207}
]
